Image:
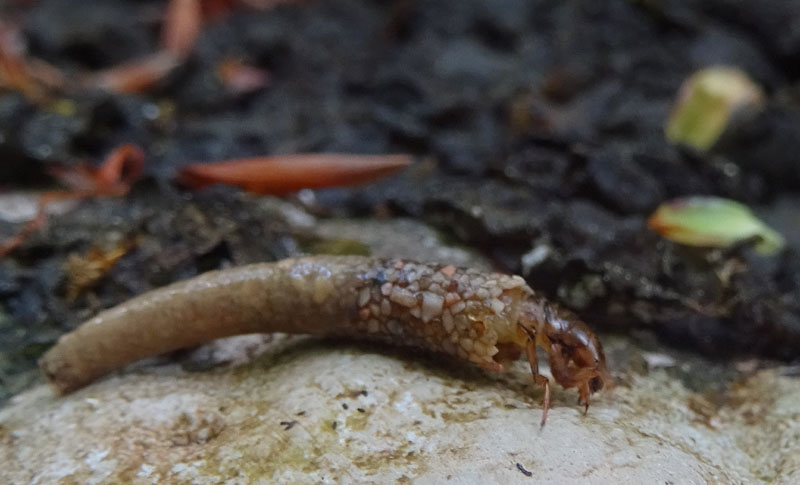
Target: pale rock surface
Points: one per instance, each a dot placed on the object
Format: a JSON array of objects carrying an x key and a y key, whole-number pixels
[{"x": 306, "y": 410}]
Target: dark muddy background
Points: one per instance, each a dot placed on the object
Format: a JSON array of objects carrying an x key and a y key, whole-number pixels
[{"x": 538, "y": 132}]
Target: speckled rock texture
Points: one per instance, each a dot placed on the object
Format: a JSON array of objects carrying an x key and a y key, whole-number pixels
[
  {"x": 279, "y": 409},
  {"x": 303, "y": 410}
]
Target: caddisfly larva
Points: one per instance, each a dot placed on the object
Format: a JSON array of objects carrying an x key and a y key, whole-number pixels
[{"x": 460, "y": 312}]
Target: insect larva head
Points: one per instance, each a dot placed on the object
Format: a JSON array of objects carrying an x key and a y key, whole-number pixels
[{"x": 575, "y": 354}]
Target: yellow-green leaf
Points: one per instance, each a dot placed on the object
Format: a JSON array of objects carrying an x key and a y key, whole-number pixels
[
  {"x": 713, "y": 222},
  {"x": 706, "y": 103}
]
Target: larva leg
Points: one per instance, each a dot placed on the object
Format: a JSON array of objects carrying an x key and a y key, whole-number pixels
[
  {"x": 538, "y": 379},
  {"x": 583, "y": 376}
]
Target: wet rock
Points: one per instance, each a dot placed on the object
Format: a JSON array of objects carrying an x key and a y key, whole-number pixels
[
  {"x": 469, "y": 145},
  {"x": 482, "y": 211},
  {"x": 622, "y": 183},
  {"x": 546, "y": 170},
  {"x": 673, "y": 170},
  {"x": 766, "y": 145},
  {"x": 298, "y": 409},
  {"x": 720, "y": 47},
  {"x": 771, "y": 25},
  {"x": 399, "y": 238},
  {"x": 100, "y": 37},
  {"x": 8, "y": 279},
  {"x": 16, "y": 166},
  {"x": 399, "y": 105},
  {"x": 46, "y": 136},
  {"x": 469, "y": 63}
]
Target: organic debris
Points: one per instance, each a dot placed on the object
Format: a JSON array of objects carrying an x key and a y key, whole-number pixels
[
  {"x": 114, "y": 177},
  {"x": 283, "y": 174},
  {"x": 84, "y": 272},
  {"x": 241, "y": 78}
]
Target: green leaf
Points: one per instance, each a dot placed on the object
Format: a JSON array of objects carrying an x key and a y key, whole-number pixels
[
  {"x": 707, "y": 101},
  {"x": 712, "y": 222}
]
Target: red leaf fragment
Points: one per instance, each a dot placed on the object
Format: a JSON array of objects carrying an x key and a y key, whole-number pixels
[
  {"x": 36, "y": 223},
  {"x": 241, "y": 78},
  {"x": 268, "y": 4},
  {"x": 289, "y": 173},
  {"x": 114, "y": 177},
  {"x": 14, "y": 71},
  {"x": 121, "y": 168},
  {"x": 216, "y": 9},
  {"x": 182, "y": 25},
  {"x": 135, "y": 76}
]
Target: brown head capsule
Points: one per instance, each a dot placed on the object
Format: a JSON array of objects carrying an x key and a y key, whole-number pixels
[
  {"x": 461, "y": 312},
  {"x": 575, "y": 355}
]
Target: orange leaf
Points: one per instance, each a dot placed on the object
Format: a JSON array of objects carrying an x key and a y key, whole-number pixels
[
  {"x": 289, "y": 173},
  {"x": 36, "y": 223},
  {"x": 121, "y": 168},
  {"x": 135, "y": 76},
  {"x": 240, "y": 78},
  {"x": 216, "y": 9},
  {"x": 14, "y": 71},
  {"x": 182, "y": 26},
  {"x": 34, "y": 78},
  {"x": 268, "y": 4},
  {"x": 119, "y": 171}
]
